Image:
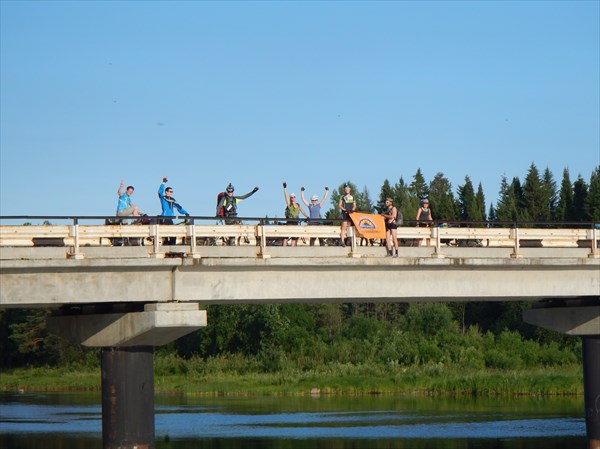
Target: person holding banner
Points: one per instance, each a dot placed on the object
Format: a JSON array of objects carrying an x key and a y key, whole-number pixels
[
  {"x": 391, "y": 238},
  {"x": 347, "y": 205}
]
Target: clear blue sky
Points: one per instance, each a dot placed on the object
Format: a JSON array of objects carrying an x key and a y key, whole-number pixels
[{"x": 314, "y": 93}]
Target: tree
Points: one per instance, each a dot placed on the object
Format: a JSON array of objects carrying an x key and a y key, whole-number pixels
[
  {"x": 534, "y": 196},
  {"x": 550, "y": 197},
  {"x": 402, "y": 199},
  {"x": 441, "y": 199},
  {"x": 580, "y": 203},
  {"x": 480, "y": 202},
  {"x": 469, "y": 206},
  {"x": 565, "y": 210},
  {"x": 593, "y": 197},
  {"x": 385, "y": 192},
  {"x": 418, "y": 187}
]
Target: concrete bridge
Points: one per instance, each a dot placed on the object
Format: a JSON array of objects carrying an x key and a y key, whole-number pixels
[{"x": 128, "y": 299}]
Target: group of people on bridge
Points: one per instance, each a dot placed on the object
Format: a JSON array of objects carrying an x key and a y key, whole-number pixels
[{"x": 227, "y": 203}]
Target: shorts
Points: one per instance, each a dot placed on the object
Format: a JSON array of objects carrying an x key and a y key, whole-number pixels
[
  {"x": 389, "y": 226},
  {"x": 126, "y": 212}
]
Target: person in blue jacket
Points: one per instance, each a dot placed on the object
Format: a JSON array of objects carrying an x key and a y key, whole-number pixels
[{"x": 169, "y": 204}]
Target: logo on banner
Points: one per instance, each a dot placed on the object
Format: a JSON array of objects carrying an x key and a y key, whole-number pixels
[{"x": 366, "y": 223}]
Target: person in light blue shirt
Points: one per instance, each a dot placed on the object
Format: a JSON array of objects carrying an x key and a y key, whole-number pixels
[{"x": 125, "y": 207}]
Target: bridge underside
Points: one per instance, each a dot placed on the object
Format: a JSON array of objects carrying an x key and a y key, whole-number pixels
[{"x": 53, "y": 283}]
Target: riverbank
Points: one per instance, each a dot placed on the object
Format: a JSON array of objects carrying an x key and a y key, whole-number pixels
[{"x": 335, "y": 379}]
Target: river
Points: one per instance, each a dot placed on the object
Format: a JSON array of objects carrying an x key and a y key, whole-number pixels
[{"x": 73, "y": 420}]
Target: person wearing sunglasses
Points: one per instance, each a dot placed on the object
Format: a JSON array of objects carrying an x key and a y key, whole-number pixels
[{"x": 292, "y": 211}]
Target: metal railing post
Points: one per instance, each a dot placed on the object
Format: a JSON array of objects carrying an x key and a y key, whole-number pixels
[
  {"x": 74, "y": 232},
  {"x": 260, "y": 232},
  {"x": 594, "y": 234},
  {"x": 516, "y": 254},
  {"x": 192, "y": 234},
  {"x": 155, "y": 232}
]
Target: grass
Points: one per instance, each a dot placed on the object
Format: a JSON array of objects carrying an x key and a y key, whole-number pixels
[{"x": 341, "y": 379}]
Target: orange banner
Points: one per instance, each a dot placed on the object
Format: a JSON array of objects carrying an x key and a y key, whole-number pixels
[{"x": 368, "y": 226}]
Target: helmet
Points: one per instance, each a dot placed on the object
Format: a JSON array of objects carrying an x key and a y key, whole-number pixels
[
  {"x": 230, "y": 188},
  {"x": 314, "y": 198},
  {"x": 424, "y": 200}
]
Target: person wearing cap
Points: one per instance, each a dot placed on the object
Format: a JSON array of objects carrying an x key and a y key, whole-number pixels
[
  {"x": 391, "y": 238},
  {"x": 424, "y": 217},
  {"x": 314, "y": 209},
  {"x": 347, "y": 205}
]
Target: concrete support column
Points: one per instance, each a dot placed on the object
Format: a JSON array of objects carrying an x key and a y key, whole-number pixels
[
  {"x": 591, "y": 388},
  {"x": 127, "y": 397}
]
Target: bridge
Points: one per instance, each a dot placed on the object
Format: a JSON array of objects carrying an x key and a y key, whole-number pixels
[{"x": 126, "y": 288}]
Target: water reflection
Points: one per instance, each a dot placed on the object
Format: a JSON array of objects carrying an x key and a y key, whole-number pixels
[{"x": 74, "y": 420}]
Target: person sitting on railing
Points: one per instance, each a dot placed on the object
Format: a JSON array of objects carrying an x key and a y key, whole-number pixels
[
  {"x": 169, "y": 205},
  {"x": 314, "y": 209},
  {"x": 125, "y": 208},
  {"x": 292, "y": 211}
]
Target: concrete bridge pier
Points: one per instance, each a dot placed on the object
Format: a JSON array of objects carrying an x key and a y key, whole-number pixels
[
  {"x": 578, "y": 317},
  {"x": 127, "y": 334},
  {"x": 127, "y": 397},
  {"x": 591, "y": 388}
]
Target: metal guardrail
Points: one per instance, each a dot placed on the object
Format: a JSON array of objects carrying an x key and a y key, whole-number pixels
[{"x": 264, "y": 232}]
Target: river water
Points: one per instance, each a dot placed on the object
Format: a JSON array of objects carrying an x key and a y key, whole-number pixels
[{"x": 73, "y": 420}]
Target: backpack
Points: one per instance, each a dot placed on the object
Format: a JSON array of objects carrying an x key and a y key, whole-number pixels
[
  {"x": 399, "y": 218},
  {"x": 222, "y": 209}
]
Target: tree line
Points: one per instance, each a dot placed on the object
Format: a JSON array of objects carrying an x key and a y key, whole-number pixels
[
  {"x": 539, "y": 198},
  {"x": 478, "y": 334}
]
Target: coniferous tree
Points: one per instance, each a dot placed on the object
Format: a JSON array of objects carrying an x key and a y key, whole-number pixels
[
  {"x": 593, "y": 198},
  {"x": 480, "y": 203},
  {"x": 492, "y": 213},
  {"x": 565, "y": 210},
  {"x": 418, "y": 187},
  {"x": 533, "y": 195},
  {"x": 441, "y": 198},
  {"x": 580, "y": 204},
  {"x": 417, "y": 190},
  {"x": 466, "y": 201},
  {"x": 402, "y": 199},
  {"x": 550, "y": 197},
  {"x": 386, "y": 192}
]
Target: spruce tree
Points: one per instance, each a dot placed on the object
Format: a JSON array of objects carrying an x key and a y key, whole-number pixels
[
  {"x": 441, "y": 198},
  {"x": 580, "y": 204},
  {"x": 534, "y": 196},
  {"x": 466, "y": 200},
  {"x": 593, "y": 198},
  {"x": 480, "y": 203},
  {"x": 550, "y": 196},
  {"x": 565, "y": 210},
  {"x": 386, "y": 192}
]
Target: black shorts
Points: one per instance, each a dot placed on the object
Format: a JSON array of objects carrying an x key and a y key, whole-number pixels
[{"x": 389, "y": 226}]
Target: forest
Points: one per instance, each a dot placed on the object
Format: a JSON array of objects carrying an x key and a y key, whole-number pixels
[{"x": 385, "y": 336}]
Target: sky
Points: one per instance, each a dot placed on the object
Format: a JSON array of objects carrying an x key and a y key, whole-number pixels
[{"x": 309, "y": 92}]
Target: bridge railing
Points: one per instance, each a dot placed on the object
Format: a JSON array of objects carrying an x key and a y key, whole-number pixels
[{"x": 263, "y": 232}]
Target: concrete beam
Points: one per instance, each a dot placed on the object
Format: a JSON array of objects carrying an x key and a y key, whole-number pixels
[
  {"x": 53, "y": 283},
  {"x": 157, "y": 325},
  {"x": 584, "y": 320}
]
